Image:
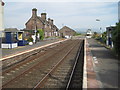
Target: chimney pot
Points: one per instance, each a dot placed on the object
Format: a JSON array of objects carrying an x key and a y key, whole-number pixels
[
  {"x": 51, "y": 21},
  {"x": 43, "y": 16},
  {"x": 2, "y": 3},
  {"x": 34, "y": 12}
]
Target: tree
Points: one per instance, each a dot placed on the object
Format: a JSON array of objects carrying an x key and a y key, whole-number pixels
[
  {"x": 41, "y": 33},
  {"x": 116, "y": 38},
  {"x": 104, "y": 34},
  {"x": 95, "y": 35}
]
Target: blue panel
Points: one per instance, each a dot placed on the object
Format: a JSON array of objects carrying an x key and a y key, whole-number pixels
[
  {"x": 22, "y": 43},
  {"x": 8, "y": 37},
  {"x": 109, "y": 41}
]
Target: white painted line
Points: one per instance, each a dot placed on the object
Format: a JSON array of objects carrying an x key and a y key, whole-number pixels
[
  {"x": 85, "y": 69},
  {"x": 95, "y": 59},
  {"x": 32, "y": 49}
]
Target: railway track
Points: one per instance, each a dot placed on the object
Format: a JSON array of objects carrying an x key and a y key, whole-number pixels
[
  {"x": 28, "y": 64},
  {"x": 40, "y": 66},
  {"x": 27, "y": 59},
  {"x": 76, "y": 77},
  {"x": 63, "y": 74},
  {"x": 33, "y": 54},
  {"x": 20, "y": 57}
]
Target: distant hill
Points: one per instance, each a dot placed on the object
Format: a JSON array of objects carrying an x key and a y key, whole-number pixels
[{"x": 83, "y": 30}]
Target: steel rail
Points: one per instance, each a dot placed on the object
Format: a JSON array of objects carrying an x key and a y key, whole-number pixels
[
  {"x": 29, "y": 69},
  {"x": 25, "y": 57},
  {"x": 24, "y": 52},
  {"x": 76, "y": 60},
  {"x": 21, "y": 63},
  {"x": 16, "y": 65},
  {"x": 41, "y": 82}
]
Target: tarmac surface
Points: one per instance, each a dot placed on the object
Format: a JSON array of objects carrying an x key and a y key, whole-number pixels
[{"x": 105, "y": 65}]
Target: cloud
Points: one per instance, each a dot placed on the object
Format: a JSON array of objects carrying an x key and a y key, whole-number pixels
[{"x": 73, "y": 14}]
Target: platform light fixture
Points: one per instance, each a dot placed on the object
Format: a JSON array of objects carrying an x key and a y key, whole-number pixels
[{"x": 98, "y": 20}]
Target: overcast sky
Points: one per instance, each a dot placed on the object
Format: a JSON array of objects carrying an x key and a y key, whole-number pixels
[{"x": 76, "y": 14}]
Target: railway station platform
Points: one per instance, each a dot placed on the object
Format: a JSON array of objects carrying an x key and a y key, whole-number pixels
[
  {"x": 101, "y": 67},
  {"x": 9, "y": 52}
]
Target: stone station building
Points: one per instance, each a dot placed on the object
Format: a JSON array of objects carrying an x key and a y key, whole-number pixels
[
  {"x": 66, "y": 32},
  {"x": 40, "y": 22}
]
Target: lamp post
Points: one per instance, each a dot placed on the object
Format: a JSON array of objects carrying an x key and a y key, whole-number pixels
[
  {"x": 98, "y": 20},
  {"x": 35, "y": 31}
]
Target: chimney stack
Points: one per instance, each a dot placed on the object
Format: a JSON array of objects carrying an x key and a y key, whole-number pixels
[
  {"x": 43, "y": 16},
  {"x": 34, "y": 12},
  {"x": 52, "y": 21},
  {"x": 49, "y": 20},
  {"x": 2, "y": 3}
]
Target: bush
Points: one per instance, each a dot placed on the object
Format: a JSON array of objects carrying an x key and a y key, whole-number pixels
[
  {"x": 98, "y": 38},
  {"x": 41, "y": 33},
  {"x": 116, "y": 38},
  {"x": 104, "y": 38},
  {"x": 76, "y": 34},
  {"x": 95, "y": 35},
  {"x": 30, "y": 39}
]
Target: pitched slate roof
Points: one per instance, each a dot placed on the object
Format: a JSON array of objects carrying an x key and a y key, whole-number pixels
[
  {"x": 36, "y": 18},
  {"x": 12, "y": 30},
  {"x": 65, "y": 28}
]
